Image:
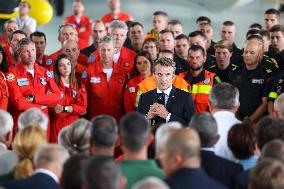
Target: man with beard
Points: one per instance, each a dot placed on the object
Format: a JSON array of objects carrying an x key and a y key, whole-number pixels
[
  {"x": 200, "y": 80},
  {"x": 81, "y": 22}
]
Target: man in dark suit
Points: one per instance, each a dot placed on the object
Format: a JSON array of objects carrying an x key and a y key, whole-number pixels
[
  {"x": 180, "y": 159},
  {"x": 49, "y": 162},
  {"x": 166, "y": 103},
  {"x": 215, "y": 166}
]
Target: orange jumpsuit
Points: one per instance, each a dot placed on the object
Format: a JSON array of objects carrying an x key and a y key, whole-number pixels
[
  {"x": 4, "y": 93},
  {"x": 108, "y": 18},
  {"x": 84, "y": 36},
  {"x": 105, "y": 97},
  {"x": 130, "y": 93},
  {"x": 76, "y": 99},
  {"x": 21, "y": 84}
]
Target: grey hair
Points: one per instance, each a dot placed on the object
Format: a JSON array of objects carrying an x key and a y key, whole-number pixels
[
  {"x": 51, "y": 153},
  {"x": 206, "y": 126},
  {"x": 163, "y": 130},
  {"x": 75, "y": 138},
  {"x": 150, "y": 183},
  {"x": 6, "y": 124},
  {"x": 224, "y": 96},
  {"x": 107, "y": 39},
  {"x": 22, "y": 42},
  {"x": 33, "y": 116},
  {"x": 117, "y": 24}
]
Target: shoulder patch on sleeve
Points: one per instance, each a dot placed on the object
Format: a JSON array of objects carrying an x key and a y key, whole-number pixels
[
  {"x": 49, "y": 74},
  {"x": 10, "y": 77},
  {"x": 48, "y": 62},
  {"x": 91, "y": 58},
  {"x": 84, "y": 75}
]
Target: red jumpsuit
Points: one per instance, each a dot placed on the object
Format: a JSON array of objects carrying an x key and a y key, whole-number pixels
[
  {"x": 9, "y": 57},
  {"x": 84, "y": 36},
  {"x": 21, "y": 84},
  {"x": 4, "y": 93},
  {"x": 105, "y": 97},
  {"x": 130, "y": 93},
  {"x": 46, "y": 62},
  {"x": 108, "y": 18},
  {"x": 76, "y": 99},
  {"x": 126, "y": 60},
  {"x": 55, "y": 54}
]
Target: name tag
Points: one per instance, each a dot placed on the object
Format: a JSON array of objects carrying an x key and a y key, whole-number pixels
[
  {"x": 257, "y": 81},
  {"x": 23, "y": 82},
  {"x": 95, "y": 80}
]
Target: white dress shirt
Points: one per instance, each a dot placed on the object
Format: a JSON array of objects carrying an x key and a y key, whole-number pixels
[{"x": 225, "y": 120}]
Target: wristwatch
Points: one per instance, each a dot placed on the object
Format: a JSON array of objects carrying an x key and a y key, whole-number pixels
[{"x": 65, "y": 108}]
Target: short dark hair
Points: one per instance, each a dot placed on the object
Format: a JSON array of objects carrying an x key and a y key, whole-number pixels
[
  {"x": 197, "y": 48},
  {"x": 256, "y": 37},
  {"x": 197, "y": 33},
  {"x": 135, "y": 24},
  {"x": 267, "y": 174},
  {"x": 277, "y": 28},
  {"x": 273, "y": 11},
  {"x": 269, "y": 128},
  {"x": 160, "y": 13},
  {"x": 101, "y": 172},
  {"x": 181, "y": 36},
  {"x": 72, "y": 171},
  {"x": 150, "y": 39},
  {"x": 145, "y": 54},
  {"x": 166, "y": 31},
  {"x": 104, "y": 131},
  {"x": 174, "y": 22},
  {"x": 165, "y": 51},
  {"x": 206, "y": 126},
  {"x": 134, "y": 129},
  {"x": 253, "y": 32},
  {"x": 255, "y": 26},
  {"x": 224, "y": 44},
  {"x": 38, "y": 34},
  {"x": 228, "y": 23},
  {"x": 273, "y": 149},
  {"x": 224, "y": 96},
  {"x": 167, "y": 62},
  {"x": 17, "y": 32},
  {"x": 242, "y": 140},
  {"x": 203, "y": 19}
]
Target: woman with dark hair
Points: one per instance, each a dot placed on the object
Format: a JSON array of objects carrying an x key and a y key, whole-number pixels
[
  {"x": 142, "y": 69},
  {"x": 4, "y": 94},
  {"x": 73, "y": 100}
]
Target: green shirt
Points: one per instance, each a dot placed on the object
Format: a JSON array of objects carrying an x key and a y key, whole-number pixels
[{"x": 135, "y": 170}]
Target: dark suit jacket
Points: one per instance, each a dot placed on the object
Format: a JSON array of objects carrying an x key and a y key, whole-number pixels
[
  {"x": 37, "y": 181},
  {"x": 242, "y": 180},
  {"x": 186, "y": 178},
  {"x": 219, "y": 168},
  {"x": 180, "y": 104}
]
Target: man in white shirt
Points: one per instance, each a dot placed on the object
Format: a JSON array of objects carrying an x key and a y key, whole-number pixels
[
  {"x": 223, "y": 104},
  {"x": 24, "y": 21}
]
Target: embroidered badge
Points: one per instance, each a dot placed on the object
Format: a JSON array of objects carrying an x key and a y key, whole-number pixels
[
  {"x": 132, "y": 89},
  {"x": 10, "y": 77},
  {"x": 48, "y": 62},
  {"x": 95, "y": 80},
  {"x": 91, "y": 58},
  {"x": 120, "y": 81},
  {"x": 84, "y": 75},
  {"x": 23, "y": 82},
  {"x": 42, "y": 81},
  {"x": 126, "y": 64},
  {"x": 49, "y": 74},
  {"x": 206, "y": 81}
]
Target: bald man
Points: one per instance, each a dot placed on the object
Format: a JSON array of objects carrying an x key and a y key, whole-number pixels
[{"x": 180, "y": 158}]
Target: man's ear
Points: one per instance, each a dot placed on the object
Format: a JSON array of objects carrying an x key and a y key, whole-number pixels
[
  {"x": 150, "y": 138},
  {"x": 122, "y": 182}
]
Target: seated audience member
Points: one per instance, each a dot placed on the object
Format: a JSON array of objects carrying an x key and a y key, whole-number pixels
[
  {"x": 72, "y": 172},
  {"x": 104, "y": 132},
  {"x": 215, "y": 166},
  {"x": 135, "y": 138},
  {"x": 180, "y": 158},
  {"x": 267, "y": 174},
  {"x": 279, "y": 106},
  {"x": 142, "y": 70},
  {"x": 76, "y": 137},
  {"x": 242, "y": 142},
  {"x": 150, "y": 183},
  {"x": 6, "y": 130},
  {"x": 223, "y": 104},
  {"x": 74, "y": 100},
  {"x": 96, "y": 177},
  {"x": 48, "y": 162},
  {"x": 25, "y": 144},
  {"x": 150, "y": 45}
]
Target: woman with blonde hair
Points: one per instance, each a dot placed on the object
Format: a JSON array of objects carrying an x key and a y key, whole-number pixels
[{"x": 75, "y": 138}]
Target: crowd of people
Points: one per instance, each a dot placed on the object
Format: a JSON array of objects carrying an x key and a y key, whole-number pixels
[{"x": 136, "y": 109}]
